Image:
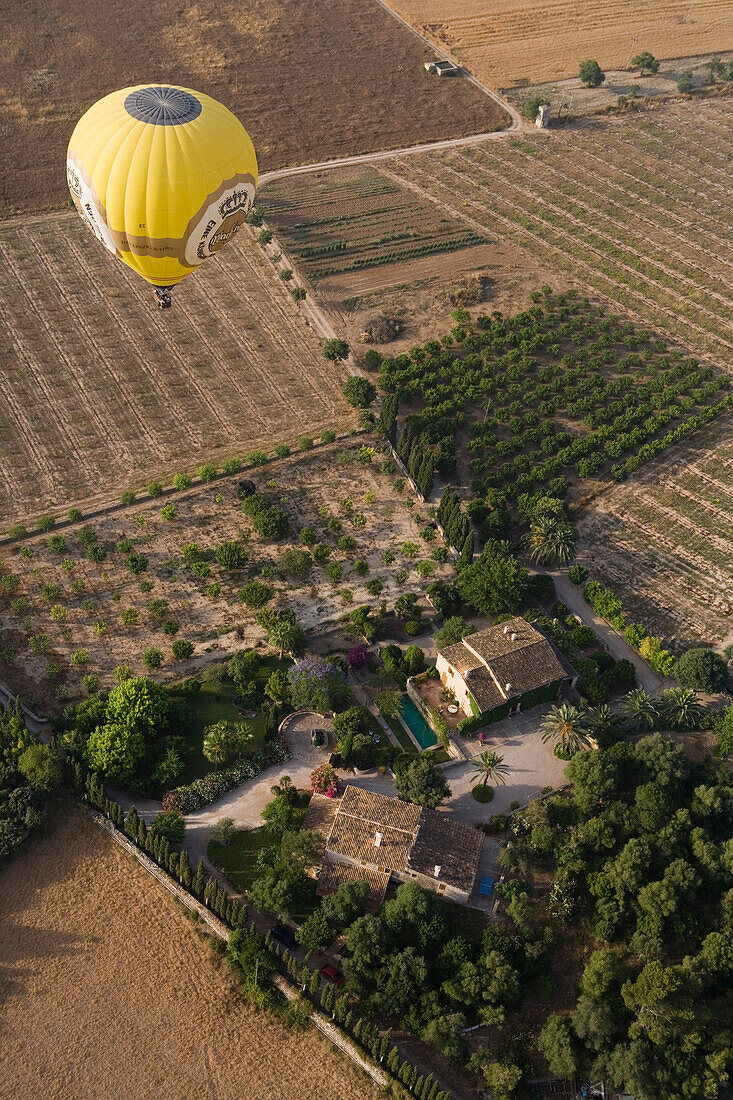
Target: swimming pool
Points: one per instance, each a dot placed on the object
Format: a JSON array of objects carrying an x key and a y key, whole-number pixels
[{"x": 412, "y": 718}]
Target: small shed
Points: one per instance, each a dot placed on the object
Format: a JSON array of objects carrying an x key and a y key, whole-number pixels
[
  {"x": 542, "y": 122},
  {"x": 442, "y": 68}
]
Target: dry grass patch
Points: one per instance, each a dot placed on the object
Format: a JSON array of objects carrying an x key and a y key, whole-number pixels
[
  {"x": 507, "y": 42},
  {"x": 108, "y": 990}
]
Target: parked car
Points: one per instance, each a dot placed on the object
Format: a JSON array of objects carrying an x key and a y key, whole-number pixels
[
  {"x": 332, "y": 975},
  {"x": 285, "y": 935}
]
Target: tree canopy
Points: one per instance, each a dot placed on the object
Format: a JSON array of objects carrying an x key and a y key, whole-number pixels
[
  {"x": 495, "y": 582},
  {"x": 422, "y": 782}
]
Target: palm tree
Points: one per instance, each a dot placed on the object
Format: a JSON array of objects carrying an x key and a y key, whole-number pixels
[
  {"x": 681, "y": 709},
  {"x": 551, "y": 539},
  {"x": 490, "y": 767},
  {"x": 639, "y": 707},
  {"x": 567, "y": 726}
]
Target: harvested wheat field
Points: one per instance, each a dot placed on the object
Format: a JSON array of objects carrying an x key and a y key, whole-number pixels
[
  {"x": 507, "y": 42},
  {"x": 310, "y": 80},
  {"x": 109, "y": 992},
  {"x": 100, "y": 393}
]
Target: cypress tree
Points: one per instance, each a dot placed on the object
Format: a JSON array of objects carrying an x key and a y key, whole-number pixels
[
  {"x": 172, "y": 864},
  {"x": 374, "y": 1044},
  {"x": 164, "y": 850},
  {"x": 209, "y": 890},
  {"x": 150, "y": 842},
  {"x": 407, "y": 436},
  {"x": 467, "y": 549},
  {"x": 412, "y": 1078},
  {"x": 242, "y": 917},
  {"x": 419, "y": 1087},
  {"x": 314, "y": 983},
  {"x": 384, "y": 1044},
  {"x": 199, "y": 879},
  {"x": 292, "y": 965},
  {"x": 424, "y": 479},
  {"x": 404, "y": 1072},
  {"x": 269, "y": 941},
  {"x": 328, "y": 998},
  {"x": 388, "y": 414},
  {"x": 348, "y": 1020},
  {"x": 118, "y": 815},
  {"x": 304, "y": 976},
  {"x": 341, "y": 1007},
  {"x": 78, "y": 777},
  {"x": 286, "y": 957},
  {"x": 131, "y": 823},
  {"x": 416, "y": 457},
  {"x": 393, "y": 1061},
  {"x": 358, "y": 1028},
  {"x": 430, "y": 1084},
  {"x": 142, "y": 834},
  {"x": 184, "y": 869}
]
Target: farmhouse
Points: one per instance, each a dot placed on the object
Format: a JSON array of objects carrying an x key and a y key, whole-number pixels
[
  {"x": 501, "y": 669},
  {"x": 370, "y": 836}
]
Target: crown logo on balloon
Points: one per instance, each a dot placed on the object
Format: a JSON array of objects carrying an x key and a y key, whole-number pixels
[
  {"x": 239, "y": 200},
  {"x": 73, "y": 180}
]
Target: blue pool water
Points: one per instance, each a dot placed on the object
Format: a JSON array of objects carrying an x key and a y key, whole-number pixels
[{"x": 412, "y": 717}]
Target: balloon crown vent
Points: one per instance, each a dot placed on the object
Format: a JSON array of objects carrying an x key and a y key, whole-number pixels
[{"x": 161, "y": 105}]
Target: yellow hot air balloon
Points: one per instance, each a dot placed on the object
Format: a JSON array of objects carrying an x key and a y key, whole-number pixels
[{"x": 164, "y": 176}]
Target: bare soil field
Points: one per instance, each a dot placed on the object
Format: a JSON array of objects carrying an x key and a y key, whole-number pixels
[
  {"x": 634, "y": 209},
  {"x": 102, "y": 393},
  {"x": 108, "y": 991},
  {"x": 310, "y": 81},
  {"x": 328, "y": 485},
  {"x": 506, "y": 42},
  {"x": 664, "y": 540}
]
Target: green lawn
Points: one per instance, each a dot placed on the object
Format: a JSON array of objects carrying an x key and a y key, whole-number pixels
[
  {"x": 374, "y": 727},
  {"x": 439, "y": 755},
  {"x": 238, "y": 858},
  {"x": 401, "y": 735},
  {"x": 217, "y": 702}
]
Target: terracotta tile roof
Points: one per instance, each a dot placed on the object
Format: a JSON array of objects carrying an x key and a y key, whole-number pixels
[
  {"x": 454, "y": 847},
  {"x": 460, "y": 658},
  {"x": 481, "y": 685},
  {"x": 320, "y": 814},
  {"x": 332, "y": 874},
  {"x": 515, "y": 653},
  {"x": 363, "y": 817}
]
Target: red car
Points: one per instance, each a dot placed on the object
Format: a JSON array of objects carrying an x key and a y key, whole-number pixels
[{"x": 332, "y": 975}]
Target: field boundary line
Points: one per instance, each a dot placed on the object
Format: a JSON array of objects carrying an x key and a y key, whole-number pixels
[{"x": 324, "y": 1026}]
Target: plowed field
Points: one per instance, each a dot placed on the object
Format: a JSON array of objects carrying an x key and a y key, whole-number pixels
[
  {"x": 100, "y": 390},
  {"x": 508, "y": 42},
  {"x": 310, "y": 80},
  {"x": 664, "y": 540},
  {"x": 108, "y": 992}
]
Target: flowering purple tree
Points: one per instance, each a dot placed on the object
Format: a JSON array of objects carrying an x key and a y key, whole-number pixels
[
  {"x": 317, "y": 684},
  {"x": 357, "y": 656}
]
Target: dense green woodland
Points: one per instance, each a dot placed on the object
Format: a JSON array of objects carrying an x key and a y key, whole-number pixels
[{"x": 642, "y": 857}]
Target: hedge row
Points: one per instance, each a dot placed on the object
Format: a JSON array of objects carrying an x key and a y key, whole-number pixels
[
  {"x": 607, "y": 604},
  {"x": 203, "y": 791}
]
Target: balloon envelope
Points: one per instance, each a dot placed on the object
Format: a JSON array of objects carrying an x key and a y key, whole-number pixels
[{"x": 164, "y": 176}]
